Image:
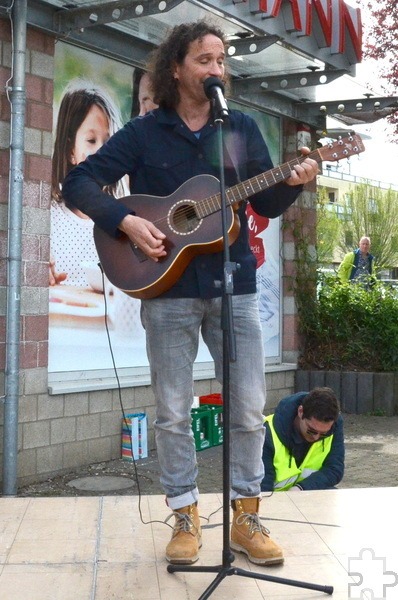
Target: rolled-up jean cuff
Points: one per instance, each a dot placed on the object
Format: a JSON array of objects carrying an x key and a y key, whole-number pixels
[
  {"x": 235, "y": 496},
  {"x": 183, "y": 500}
]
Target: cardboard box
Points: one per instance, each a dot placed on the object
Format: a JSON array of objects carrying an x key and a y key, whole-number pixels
[{"x": 135, "y": 436}]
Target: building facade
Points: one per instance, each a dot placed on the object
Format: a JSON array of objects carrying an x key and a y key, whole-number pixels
[{"x": 68, "y": 417}]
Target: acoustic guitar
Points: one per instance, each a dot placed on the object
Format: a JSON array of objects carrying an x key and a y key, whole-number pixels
[{"x": 191, "y": 221}]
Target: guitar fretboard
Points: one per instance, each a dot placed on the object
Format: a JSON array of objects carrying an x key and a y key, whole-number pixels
[
  {"x": 343, "y": 148},
  {"x": 241, "y": 191}
]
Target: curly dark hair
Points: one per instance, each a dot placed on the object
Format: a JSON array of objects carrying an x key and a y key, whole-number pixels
[
  {"x": 322, "y": 404},
  {"x": 173, "y": 52}
]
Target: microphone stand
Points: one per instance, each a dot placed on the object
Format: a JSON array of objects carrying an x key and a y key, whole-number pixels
[{"x": 229, "y": 355}]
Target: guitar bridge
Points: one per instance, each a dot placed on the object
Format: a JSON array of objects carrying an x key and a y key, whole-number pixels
[{"x": 140, "y": 255}]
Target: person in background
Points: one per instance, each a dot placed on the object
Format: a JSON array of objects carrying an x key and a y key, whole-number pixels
[
  {"x": 304, "y": 443},
  {"x": 142, "y": 100},
  {"x": 87, "y": 117},
  {"x": 145, "y": 95},
  {"x": 357, "y": 266},
  {"x": 161, "y": 151}
]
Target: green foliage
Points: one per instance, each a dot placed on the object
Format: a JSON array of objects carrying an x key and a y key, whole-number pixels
[
  {"x": 373, "y": 212},
  {"x": 379, "y": 412},
  {"x": 329, "y": 228},
  {"x": 342, "y": 326},
  {"x": 355, "y": 328},
  {"x": 369, "y": 211},
  {"x": 76, "y": 63}
]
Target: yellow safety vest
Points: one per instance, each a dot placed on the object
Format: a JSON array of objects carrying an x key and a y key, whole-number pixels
[{"x": 287, "y": 473}]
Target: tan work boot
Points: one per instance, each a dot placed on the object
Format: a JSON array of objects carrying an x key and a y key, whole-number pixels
[
  {"x": 250, "y": 537},
  {"x": 186, "y": 540}
]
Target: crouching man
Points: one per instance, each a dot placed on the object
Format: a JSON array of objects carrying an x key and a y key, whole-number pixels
[{"x": 304, "y": 443}]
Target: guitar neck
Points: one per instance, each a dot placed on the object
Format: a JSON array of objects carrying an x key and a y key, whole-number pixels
[
  {"x": 343, "y": 148},
  {"x": 245, "y": 189}
]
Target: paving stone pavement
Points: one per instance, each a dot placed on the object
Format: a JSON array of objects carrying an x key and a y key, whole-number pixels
[{"x": 371, "y": 461}]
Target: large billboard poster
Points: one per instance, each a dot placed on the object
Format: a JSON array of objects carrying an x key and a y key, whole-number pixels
[
  {"x": 79, "y": 296},
  {"x": 80, "y": 338}
]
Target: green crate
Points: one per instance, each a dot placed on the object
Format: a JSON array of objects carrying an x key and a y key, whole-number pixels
[
  {"x": 217, "y": 424},
  {"x": 202, "y": 427}
]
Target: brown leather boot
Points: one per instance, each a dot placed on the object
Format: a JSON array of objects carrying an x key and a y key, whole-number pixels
[
  {"x": 250, "y": 537},
  {"x": 186, "y": 539}
]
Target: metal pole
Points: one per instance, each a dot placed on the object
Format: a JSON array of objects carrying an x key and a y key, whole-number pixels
[{"x": 17, "y": 95}]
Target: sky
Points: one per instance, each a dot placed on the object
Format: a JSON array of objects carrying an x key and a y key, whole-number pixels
[{"x": 380, "y": 159}]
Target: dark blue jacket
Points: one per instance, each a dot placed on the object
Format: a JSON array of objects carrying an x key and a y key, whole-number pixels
[
  {"x": 332, "y": 470},
  {"x": 356, "y": 262},
  {"x": 160, "y": 153}
]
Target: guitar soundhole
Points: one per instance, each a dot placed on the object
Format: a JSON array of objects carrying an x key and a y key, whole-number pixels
[{"x": 183, "y": 219}]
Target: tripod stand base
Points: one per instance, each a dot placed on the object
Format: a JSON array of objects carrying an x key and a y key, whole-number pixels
[{"x": 228, "y": 570}]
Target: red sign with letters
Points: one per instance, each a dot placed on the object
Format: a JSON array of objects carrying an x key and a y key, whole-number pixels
[{"x": 333, "y": 23}]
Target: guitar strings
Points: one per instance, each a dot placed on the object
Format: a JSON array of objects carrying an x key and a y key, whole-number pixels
[
  {"x": 236, "y": 194},
  {"x": 243, "y": 190}
]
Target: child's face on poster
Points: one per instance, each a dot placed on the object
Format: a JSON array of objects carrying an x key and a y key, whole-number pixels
[{"x": 91, "y": 135}]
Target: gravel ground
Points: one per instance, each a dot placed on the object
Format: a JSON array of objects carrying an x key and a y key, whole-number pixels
[{"x": 371, "y": 461}]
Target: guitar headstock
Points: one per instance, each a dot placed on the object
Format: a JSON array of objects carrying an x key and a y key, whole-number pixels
[{"x": 342, "y": 148}]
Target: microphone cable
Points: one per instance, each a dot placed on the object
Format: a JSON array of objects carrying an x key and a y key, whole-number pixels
[{"x": 129, "y": 429}]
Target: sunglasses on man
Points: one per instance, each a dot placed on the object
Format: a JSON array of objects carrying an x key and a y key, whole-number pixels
[{"x": 313, "y": 432}]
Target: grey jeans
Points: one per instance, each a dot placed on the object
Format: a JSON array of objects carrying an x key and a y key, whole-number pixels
[{"x": 172, "y": 332}]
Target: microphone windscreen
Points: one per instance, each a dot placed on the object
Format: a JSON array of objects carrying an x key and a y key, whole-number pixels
[{"x": 211, "y": 82}]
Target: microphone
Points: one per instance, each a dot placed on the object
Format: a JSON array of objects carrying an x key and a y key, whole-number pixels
[{"x": 214, "y": 90}]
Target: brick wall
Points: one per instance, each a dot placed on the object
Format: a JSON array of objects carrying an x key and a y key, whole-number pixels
[
  {"x": 303, "y": 209},
  {"x": 36, "y": 193}
]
